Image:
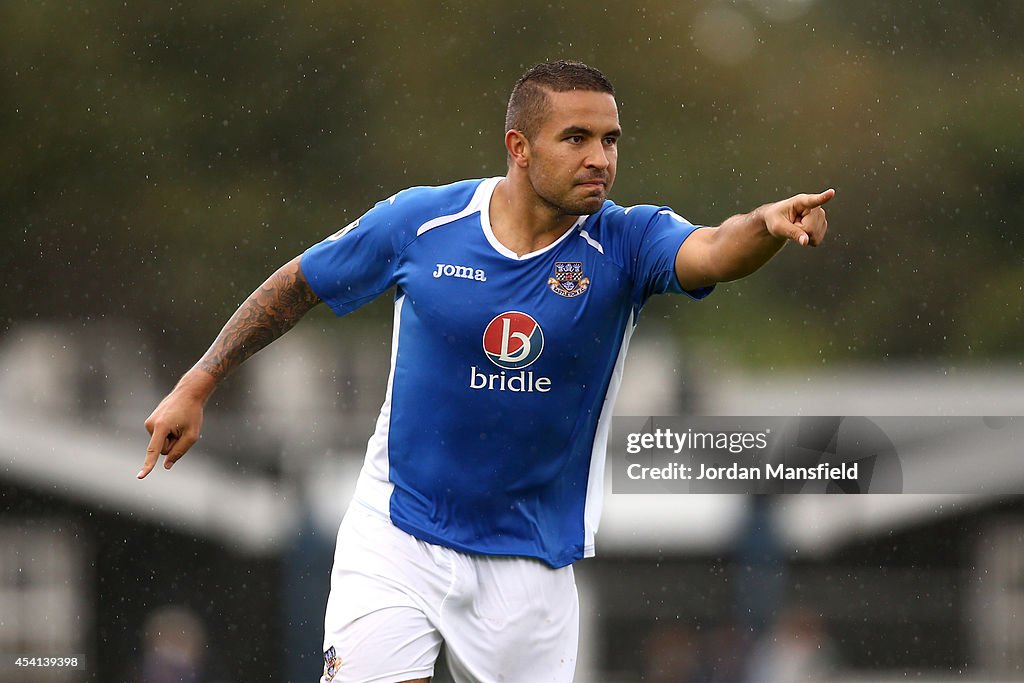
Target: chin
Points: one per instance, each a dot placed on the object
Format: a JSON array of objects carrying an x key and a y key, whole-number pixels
[
  {"x": 583, "y": 207},
  {"x": 589, "y": 205},
  {"x": 574, "y": 205}
]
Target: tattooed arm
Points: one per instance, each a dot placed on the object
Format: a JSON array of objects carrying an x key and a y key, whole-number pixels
[{"x": 269, "y": 312}]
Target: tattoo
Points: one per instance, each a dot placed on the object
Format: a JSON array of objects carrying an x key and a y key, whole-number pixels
[{"x": 268, "y": 313}]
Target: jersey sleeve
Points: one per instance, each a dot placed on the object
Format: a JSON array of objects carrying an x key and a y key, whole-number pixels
[
  {"x": 654, "y": 235},
  {"x": 356, "y": 264}
]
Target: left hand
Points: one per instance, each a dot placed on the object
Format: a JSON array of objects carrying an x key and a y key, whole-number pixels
[{"x": 799, "y": 218}]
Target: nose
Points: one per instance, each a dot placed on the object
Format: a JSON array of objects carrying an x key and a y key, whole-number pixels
[{"x": 597, "y": 158}]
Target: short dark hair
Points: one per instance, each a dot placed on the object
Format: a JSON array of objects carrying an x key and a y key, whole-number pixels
[{"x": 529, "y": 102}]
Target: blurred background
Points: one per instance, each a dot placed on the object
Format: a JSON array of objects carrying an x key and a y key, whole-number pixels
[{"x": 162, "y": 159}]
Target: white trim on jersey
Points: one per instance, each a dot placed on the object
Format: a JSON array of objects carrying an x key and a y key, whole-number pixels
[
  {"x": 673, "y": 214},
  {"x": 485, "y": 223},
  {"x": 374, "y": 486},
  {"x": 595, "y": 482},
  {"x": 591, "y": 241},
  {"x": 481, "y": 198}
]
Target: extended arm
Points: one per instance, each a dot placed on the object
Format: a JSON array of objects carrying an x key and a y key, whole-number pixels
[
  {"x": 268, "y": 313},
  {"x": 744, "y": 243}
]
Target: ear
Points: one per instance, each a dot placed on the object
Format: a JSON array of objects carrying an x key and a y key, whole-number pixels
[{"x": 518, "y": 147}]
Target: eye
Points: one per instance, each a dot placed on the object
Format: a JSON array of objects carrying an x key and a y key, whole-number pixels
[
  {"x": 611, "y": 142},
  {"x": 575, "y": 139}
]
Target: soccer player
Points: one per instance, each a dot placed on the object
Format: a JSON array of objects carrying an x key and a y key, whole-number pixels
[{"x": 515, "y": 300}]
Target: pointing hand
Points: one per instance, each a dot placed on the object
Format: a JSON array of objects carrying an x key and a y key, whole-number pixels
[{"x": 799, "y": 218}]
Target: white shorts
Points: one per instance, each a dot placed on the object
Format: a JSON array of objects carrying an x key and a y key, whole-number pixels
[{"x": 395, "y": 598}]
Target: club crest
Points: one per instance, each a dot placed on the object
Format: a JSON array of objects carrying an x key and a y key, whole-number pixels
[{"x": 568, "y": 280}]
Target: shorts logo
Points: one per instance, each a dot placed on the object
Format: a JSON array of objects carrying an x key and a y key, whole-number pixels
[
  {"x": 331, "y": 663},
  {"x": 568, "y": 280},
  {"x": 513, "y": 340}
]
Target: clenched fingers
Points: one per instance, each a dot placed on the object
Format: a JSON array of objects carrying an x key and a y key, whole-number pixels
[
  {"x": 814, "y": 225},
  {"x": 790, "y": 231},
  {"x": 165, "y": 439},
  {"x": 177, "y": 448},
  {"x": 805, "y": 221}
]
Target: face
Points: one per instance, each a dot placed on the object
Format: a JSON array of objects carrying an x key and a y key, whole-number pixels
[{"x": 571, "y": 159}]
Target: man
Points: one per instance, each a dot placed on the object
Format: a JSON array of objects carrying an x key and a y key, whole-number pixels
[{"x": 515, "y": 300}]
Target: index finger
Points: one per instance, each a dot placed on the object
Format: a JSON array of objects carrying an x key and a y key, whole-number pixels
[
  {"x": 809, "y": 201},
  {"x": 152, "y": 454}
]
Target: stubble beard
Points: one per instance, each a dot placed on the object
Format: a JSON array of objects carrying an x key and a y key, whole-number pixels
[{"x": 567, "y": 206}]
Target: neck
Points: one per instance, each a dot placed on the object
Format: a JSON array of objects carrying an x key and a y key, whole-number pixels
[{"x": 522, "y": 221}]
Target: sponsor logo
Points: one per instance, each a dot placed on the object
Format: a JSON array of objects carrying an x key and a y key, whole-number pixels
[
  {"x": 512, "y": 341},
  {"x": 520, "y": 381},
  {"x": 568, "y": 280},
  {"x": 331, "y": 664},
  {"x": 464, "y": 272}
]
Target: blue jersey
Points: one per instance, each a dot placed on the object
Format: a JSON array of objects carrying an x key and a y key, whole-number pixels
[{"x": 504, "y": 368}]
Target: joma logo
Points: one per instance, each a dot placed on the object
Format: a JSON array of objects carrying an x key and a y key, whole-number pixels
[{"x": 465, "y": 272}]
